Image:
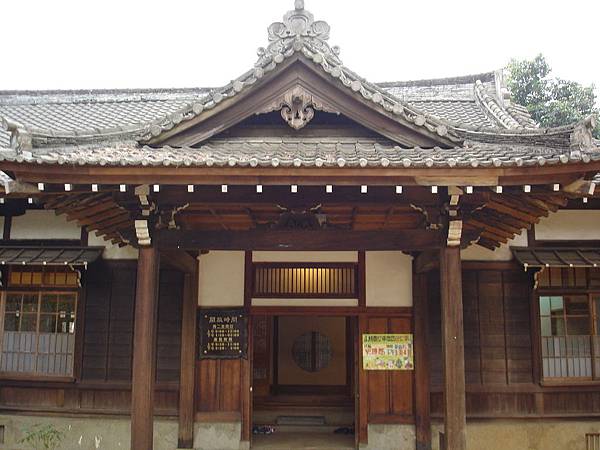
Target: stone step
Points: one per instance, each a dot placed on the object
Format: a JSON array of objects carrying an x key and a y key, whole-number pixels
[
  {"x": 302, "y": 440},
  {"x": 300, "y": 420}
]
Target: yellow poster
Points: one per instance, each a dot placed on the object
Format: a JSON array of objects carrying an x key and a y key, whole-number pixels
[{"x": 387, "y": 351}]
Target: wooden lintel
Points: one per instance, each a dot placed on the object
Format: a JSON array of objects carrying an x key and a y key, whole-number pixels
[
  {"x": 180, "y": 260},
  {"x": 409, "y": 240}
]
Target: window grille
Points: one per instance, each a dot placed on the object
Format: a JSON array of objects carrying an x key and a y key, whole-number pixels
[
  {"x": 295, "y": 280},
  {"x": 569, "y": 314},
  {"x": 37, "y": 322},
  {"x": 592, "y": 441}
]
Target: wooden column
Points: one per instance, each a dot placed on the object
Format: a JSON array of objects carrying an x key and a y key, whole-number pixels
[
  {"x": 144, "y": 350},
  {"x": 422, "y": 378},
  {"x": 453, "y": 351},
  {"x": 188, "y": 360}
]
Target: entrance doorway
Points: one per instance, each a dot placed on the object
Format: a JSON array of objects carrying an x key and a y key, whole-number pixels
[{"x": 303, "y": 384}]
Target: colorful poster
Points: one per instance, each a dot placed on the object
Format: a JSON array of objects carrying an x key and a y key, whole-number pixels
[{"x": 387, "y": 351}]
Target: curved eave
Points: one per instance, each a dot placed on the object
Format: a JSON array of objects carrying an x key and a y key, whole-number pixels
[{"x": 183, "y": 175}]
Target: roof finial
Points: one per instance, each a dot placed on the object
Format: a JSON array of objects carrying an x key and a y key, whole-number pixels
[{"x": 299, "y": 31}]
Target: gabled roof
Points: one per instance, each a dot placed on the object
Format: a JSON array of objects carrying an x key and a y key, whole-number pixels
[
  {"x": 87, "y": 117},
  {"x": 472, "y": 113}
]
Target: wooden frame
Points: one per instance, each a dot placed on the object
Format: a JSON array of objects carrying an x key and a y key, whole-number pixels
[
  {"x": 76, "y": 355},
  {"x": 591, "y": 295},
  {"x": 306, "y": 265}
]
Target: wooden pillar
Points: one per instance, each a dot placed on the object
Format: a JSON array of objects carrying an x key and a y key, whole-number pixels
[
  {"x": 144, "y": 350},
  {"x": 453, "y": 350},
  {"x": 188, "y": 360},
  {"x": 422, "y": 378}
]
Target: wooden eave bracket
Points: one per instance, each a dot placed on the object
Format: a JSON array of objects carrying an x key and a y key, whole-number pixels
[
  {"x": 581, "y": 187},
  {"x": 454, "y": 233},
  {"x": 142, "y": 226},
  {"x": 455, "y": 225}
]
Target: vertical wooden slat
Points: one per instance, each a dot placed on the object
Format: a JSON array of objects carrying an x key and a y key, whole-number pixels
[
  {"x": 246, "y": 385},
  {"x": 362, "y": 414},
  {"x": 421, "y": 355},
  {"x": 144, "y": 350},
  {"x": 362, "y": 280},
  {"x": 188, "y": 358},
  {"x": 453, "y": 349}
]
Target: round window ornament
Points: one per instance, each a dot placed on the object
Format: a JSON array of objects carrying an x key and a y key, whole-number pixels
[{"x": 312, "y": 351}]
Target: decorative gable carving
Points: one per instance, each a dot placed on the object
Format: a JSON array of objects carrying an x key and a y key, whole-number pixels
[{"x": 298, "y": 107}]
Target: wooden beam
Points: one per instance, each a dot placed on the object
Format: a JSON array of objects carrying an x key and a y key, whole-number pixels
[
  {"x": 408, "y": 240},
  {"x": 180, "y": 260},
  {"x": 426, "y": 261},
  {"x": 188, "y": 357},
  {"x": 7, "y": 227},
  {"x": 422, "y": 375},
  {"x": 453, "y": 351},
  {"x": 144, "y": 350}
]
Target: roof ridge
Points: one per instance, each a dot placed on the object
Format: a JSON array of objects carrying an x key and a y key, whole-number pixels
[
  {"x": 28, "y": 97},
  {"x": 495, "y": 109},
  {"x": 461, "y": 79}
]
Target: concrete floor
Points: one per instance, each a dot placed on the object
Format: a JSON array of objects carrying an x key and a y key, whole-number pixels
[{"x": 305, "y": 441}]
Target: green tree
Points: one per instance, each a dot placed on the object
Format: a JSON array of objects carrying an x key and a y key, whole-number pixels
[{"x": 552, "y": 102}]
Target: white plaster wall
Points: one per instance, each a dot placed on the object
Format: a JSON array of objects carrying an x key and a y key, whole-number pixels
[
  {"x": 42, "y": 224},
  {"x": 283, "y": 256},
  {"x": 112, "y": 251},
  {"x": 389, "y": 279},
  {"x": 478, "y": 253},
  {"x": 568, "y": 224},
  {"x": 221, "y": 279}
]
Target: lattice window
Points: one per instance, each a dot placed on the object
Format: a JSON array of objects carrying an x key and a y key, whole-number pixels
[
  {"x": 299, "y": 280},
  {"x": 38, "y": 326},
  {"x": 569, "y": 312}
]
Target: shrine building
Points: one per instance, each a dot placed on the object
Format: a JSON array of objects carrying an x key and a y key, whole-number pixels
[{"x": 299, "y": 259}]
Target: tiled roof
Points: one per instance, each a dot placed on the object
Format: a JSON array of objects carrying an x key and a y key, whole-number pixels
[
  {"x": 305, "y": 152},
  {"x": 85, "y": 117},
  {"x": 100, "y": 110}
]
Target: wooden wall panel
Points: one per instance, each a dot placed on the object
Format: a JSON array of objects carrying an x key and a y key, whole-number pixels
[
  {"x": 170, "y": 304},
  {"x": 518, "y": 324},
  {"x": 499, "y": 351},
  {"x": 108, "y": 340},
  {"x": 389, "y": 393},
  {"x": 120, "y": 330},
  {"x": 79, "y": 399},
  {"x": 378, "y": 380},
  {"x": 491, "y": 325},
  {"x": 218, "y": 385},
  {"x": 498, "y": 347},
  {"x": 96, "y": 314},
  {"x": 104, "y": 384},
  {"x": 471, "y": 329},
  {"x": 401, "y": 381}
]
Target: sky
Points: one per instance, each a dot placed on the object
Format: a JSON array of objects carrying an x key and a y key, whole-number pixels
[{"x": 79, "y": 44}]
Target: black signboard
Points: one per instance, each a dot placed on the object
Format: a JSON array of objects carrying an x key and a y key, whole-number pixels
[{"x": 223, "y": 334}]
